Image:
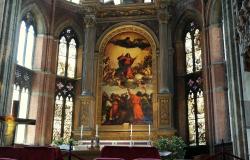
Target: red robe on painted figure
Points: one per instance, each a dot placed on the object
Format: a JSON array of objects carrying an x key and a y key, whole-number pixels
[{"x": 137, "y": 107}]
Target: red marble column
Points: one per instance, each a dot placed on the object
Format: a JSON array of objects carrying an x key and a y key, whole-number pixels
[
  {"x": 43, "y": 89},
  {"x": 180, "y": 90},
  {"x": 219, "y": 92}
]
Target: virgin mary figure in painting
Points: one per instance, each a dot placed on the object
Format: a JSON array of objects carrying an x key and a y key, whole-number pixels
[{"x": 125, "y": 63}]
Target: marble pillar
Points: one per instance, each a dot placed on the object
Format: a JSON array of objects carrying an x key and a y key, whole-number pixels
[
  {"x": 88, "y": 55},
  {"x": 43, "y": 89},
  {"x": 236, "y": 110},
  {"x": 166, "y": 74},
  {"x": 166, "y": 58}
]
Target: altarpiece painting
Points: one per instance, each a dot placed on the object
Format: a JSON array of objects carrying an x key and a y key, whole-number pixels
[{"x": 127, "y": 86}]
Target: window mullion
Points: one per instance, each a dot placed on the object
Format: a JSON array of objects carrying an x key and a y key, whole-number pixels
[
  {"x": 63, "y": 116},
  {"x": 25, "y": 45},
  {"x": 27, "y": 116},
  {"x": 193, "y": 50},
  {"x": 19, "y": 99},
  {"x": 67, "y": 59},
  {"x": 196, "y": 119}
]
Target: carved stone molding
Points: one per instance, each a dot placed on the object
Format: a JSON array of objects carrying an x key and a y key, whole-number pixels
[
  {"x": 165, "y": 11},
  {"x": 125, "y": 12},
  {"x": 165, "y": 111},
  {"x": 86, "y": 113},
  {"x": 162, "y": 4},
  {"x": 89, "y": 8},
  {"x": 163, "y": 16},
  {"x": 242, "y": 13}
]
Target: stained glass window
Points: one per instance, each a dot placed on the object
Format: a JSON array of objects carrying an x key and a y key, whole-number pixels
[
  {"x": 58, "y": 117},
  {"x": 66, "y": 64},
  {"x": 68, "y": 117},
  {"x": 193, "y": 49},
  {"x": 63, "y": 110},
  {"x": 72, "y": 59},
  {"x": 194, "y": 89},
  {"x": 61, "y": 64},
  {"x": 65, "y": 85}
]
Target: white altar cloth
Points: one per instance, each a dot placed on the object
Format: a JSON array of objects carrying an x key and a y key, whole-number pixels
[{"x": 86, "y": 144}]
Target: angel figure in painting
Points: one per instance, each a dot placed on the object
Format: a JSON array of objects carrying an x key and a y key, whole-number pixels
[{"x": 125, "y": 63}]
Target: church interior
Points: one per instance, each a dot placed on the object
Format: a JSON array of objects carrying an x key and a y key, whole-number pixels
[{"x": 126, "y": 71}]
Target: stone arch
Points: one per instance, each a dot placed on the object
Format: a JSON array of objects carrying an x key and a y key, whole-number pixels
[
  {"x": 62, "y": 24},
  {"x": 185, "y": 18},
  {"x": 40, "y": 19},
  {"x": 214, "y": 12}
]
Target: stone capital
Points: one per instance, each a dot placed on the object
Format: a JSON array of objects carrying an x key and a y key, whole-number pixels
[
  {"x": 90, "y": 20},
  {"x": 163, "y": 16}
]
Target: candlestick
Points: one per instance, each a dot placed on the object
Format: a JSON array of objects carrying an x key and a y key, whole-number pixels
[
  {"x": 96, "y": 130},
  {"x": 81, "y": 131},
  {"x": 131, "y": 130},
  {"x": 131, "y": 133},
  {"x": 149, "y": 130}
]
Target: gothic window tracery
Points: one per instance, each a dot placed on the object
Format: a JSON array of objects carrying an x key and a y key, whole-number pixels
[
  {"x": 194, "y": 89},
  {"x": 65, "y": 85}
]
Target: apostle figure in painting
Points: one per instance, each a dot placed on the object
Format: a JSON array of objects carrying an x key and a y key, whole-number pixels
[
  {"x": 114, "y": 111},
  {"x": 125, "y": 63},
  {"x": 135, "y": 100}
]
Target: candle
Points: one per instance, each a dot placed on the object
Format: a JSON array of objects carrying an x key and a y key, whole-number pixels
[
  {"x": 96, "y": 130},
  {"x": 149, "y": 129},
  {"x": 131, "y": 129},
  {"x": 81, "y": 131}
]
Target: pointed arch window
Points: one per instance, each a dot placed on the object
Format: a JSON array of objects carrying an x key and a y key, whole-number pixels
[
  {"x": 23, "y": 76},
  {"x": 194, "y": 89},
  {"x": 26, "y": 42},
  {"x": 66, "y": 64},
  {"x": 65, "y": 85}
]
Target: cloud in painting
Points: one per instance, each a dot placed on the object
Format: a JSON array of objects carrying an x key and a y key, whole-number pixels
[{"x": 128, "y": 43}]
